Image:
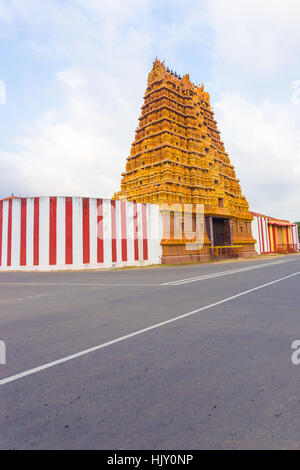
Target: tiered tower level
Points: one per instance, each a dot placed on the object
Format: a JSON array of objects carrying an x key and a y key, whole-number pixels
[{"x": 178, "y": 156}]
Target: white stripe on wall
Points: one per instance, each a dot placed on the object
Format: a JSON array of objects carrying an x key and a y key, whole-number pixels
[
  {"x": 16, "y": 232},
  {"x": 154, "y": 224},
  {"x": 107, "y": 232},
  {"x": 93, "y": 231},
  {"x": 254, "y": 228},
  {"x": 44, "y": 212},
  {"x": 130, "y": 232}
]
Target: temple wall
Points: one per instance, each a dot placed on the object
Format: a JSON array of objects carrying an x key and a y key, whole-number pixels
[
  {"x": 260, "y": 232},
  {"x": 51, "y": 233},
  {"x": 272, "y": 237},
  {"x": 67, "y": 233}
]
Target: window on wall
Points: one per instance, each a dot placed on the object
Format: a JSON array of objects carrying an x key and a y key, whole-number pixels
[{"x": 221, "y": 202}]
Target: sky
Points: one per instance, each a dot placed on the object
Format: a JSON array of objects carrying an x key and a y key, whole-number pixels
[{"x": 73, "y": 74}]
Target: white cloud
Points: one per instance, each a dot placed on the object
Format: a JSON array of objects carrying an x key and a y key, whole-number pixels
[
  {"x": 261, "y": 36},
  {"x": 264, "y": 144},
  {"x": 6, "y": 18},
  {"x": 75, "y": 149}
]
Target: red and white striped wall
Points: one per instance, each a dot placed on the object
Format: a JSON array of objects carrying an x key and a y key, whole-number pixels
[
  {"x": 48, "y": 233},
  {"x": 260, "y": 232},
  {"x": 261, "y": 228}
]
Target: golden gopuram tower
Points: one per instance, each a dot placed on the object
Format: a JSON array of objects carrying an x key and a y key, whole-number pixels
[{"x": 178, "y": 159}]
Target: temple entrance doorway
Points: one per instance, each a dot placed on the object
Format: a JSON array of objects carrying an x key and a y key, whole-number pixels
[{"x": 222, "y": 235}]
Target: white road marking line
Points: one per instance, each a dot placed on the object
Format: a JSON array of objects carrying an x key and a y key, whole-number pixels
[
  {"x": 177, "y": 282},
  {"x": 69, "y": 284},
  {"x": 222, "y": 273},
  {"x": 138, "y": 332}
]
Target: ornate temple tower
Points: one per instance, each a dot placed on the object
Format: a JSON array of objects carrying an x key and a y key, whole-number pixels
[{"x": 177, "y": 157}]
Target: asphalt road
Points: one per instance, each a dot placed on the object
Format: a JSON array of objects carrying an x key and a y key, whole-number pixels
[{"x": 208, "y": 365}]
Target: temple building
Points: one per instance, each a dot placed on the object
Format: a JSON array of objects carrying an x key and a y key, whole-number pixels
[
  {"x": 178, "y": 158},
  {"x": 274, "y": 235}
]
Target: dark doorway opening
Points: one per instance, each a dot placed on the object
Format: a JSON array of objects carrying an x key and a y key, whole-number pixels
[{"x": 221, "y": 232}]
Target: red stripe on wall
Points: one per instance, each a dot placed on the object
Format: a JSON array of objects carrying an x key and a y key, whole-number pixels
[
  {"x": 36, "y": 231},
  {"x": 136, "y": 232},
  {"x": 86, "y": 229},
  {"x": 145, "y": 231},
  {"x": 23, "y": 232},
  {"x": 9, "y": 231},
  {"x": 1, "y": 228},
  {"x": 261, "y": 235},
  {"x": 100, "y": 248},
  {"x": 52, "y": 230},
  {"x": 123, "y": 231},
  {"x": 69, "y": 230},
  {"x": 113, "y": 231},
  {"x": 267, "y": 236}
]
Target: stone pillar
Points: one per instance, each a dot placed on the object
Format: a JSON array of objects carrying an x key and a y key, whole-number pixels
[{"x": 210, "y": 229}]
